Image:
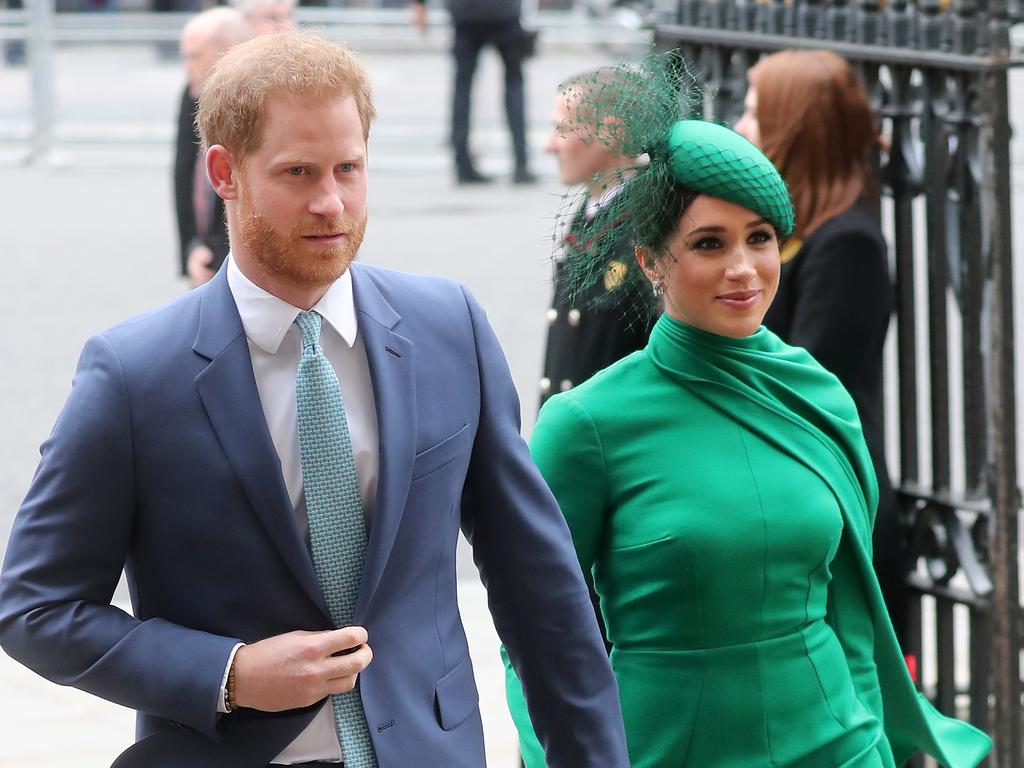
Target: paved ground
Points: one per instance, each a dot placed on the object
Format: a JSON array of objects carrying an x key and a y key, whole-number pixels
[{"x": 88, "y": 238}]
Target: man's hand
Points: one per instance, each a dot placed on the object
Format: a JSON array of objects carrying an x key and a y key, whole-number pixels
[
  {"x": 299, "y": 668},
  {"x": 418, "y": 14},
  {"x": 198, "y": 265}
]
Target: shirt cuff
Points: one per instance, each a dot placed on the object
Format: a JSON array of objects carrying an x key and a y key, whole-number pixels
[{"x": 221, "y": 708}]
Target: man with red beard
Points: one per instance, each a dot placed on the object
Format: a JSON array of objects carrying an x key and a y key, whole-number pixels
[{"x": 281, "y": 461}]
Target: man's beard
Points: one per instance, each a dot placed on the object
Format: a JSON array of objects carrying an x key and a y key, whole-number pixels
[{"x": 290, "y": 257}]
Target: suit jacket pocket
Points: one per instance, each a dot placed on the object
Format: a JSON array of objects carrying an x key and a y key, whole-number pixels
[
  {"x": 436, "y": 456},
  {"x": 456, "y": 696}
]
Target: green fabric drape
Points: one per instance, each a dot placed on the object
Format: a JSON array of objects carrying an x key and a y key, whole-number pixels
[{"x": 781, "y": 395}]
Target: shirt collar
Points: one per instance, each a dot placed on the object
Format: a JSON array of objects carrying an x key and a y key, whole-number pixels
[
  {"x": 593, "y": 206},
  {"x": 266, "y": 318}
]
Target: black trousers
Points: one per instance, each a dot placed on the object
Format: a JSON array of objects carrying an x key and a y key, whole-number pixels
[{"x": 470, "y": 39}]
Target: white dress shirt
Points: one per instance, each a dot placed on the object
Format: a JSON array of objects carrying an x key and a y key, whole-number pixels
[
  {"x": 593, "y": 206},
  {"x": 275, "y": 347}
]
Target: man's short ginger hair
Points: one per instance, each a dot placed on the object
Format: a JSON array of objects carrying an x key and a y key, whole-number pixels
[{"x": 231, "y": 105}]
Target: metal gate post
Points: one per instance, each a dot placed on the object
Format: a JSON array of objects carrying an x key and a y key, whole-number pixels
[{"x": 1005, "y": 646}]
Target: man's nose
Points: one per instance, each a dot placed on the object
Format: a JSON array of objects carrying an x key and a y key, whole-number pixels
[{"x": 327, "y": 200}]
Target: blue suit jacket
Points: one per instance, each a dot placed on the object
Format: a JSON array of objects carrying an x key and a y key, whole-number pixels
[{"x": 161, "y": 462}]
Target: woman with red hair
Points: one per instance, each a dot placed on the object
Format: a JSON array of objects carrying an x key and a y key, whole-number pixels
[{"x": 811, "y": 116}]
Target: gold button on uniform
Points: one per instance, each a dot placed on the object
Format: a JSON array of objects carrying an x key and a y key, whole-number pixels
[{"x": 574, "y": 317}]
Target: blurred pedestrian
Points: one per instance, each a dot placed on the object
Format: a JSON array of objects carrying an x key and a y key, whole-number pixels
[
  {"x": 176, "y": 6},
  {"x": 476, "y": 25},
  {"x": 202, "y": 235},
  {"x": 281, "y": 461},
  {"x": 14, "y": 50},
  {"x": 265, "y": 16},
  {"x": 810, "y": 114},
  {"x": 587, "y": 331},
  {"x": 167, "y": 50}
]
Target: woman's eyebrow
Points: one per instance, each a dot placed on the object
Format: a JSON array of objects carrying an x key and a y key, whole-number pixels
[
  {"x": 716, "y": 229},
  {"x": 710, "y": 228}
]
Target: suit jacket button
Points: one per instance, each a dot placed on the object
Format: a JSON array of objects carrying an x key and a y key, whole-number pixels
[
  {"x": 574, "y": 317},
  {"x": 565, "y": 386},
  {"x": 545, "y": 385},
  {"x": 552, "y": 316}
]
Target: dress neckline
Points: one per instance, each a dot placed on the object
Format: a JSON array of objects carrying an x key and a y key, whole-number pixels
[
  {"x": 750, "y": 377},
  {"x": 673, "y": 342}
]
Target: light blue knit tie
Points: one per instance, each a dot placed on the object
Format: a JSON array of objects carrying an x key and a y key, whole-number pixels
[{"x": 337, "y": 529}]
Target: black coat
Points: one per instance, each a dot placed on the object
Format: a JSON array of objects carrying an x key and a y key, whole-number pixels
[
  {"x": 185, "y": 154},
  {"x": 583, "y": 337},
  {"x": 481, "y": 11},
  {"x": 835, "y": 299}
]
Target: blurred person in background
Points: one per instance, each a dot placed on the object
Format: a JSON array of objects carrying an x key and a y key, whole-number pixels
[
  {"x": 202, "y": 252},
  {"x": 14, "y": 50},
  {"x": 591, "y": 330},
  {"x": 167, "y": 50},
  {"x": 265, "y": 16},
  {"x": 810, "y": 114},
  {"x": 477, "y": 24},
  {"x": 202, "y": 235},
  {"x": 176, "y": 6}
]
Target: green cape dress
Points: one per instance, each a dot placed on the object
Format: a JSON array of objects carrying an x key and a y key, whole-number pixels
[{"x": 721, "y": 497}]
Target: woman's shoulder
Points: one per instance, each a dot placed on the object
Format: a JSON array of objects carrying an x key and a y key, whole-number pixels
[
  {"x": 850, "y": 245},
  {"x": 859, "y": 224},
  {"x": 606, "y": 390}
]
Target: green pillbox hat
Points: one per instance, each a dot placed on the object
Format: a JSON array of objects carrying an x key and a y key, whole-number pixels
[{"x": 715, "y": 160}]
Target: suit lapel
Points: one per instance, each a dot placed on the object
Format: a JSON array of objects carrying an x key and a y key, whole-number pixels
[
  {"x": 228, "y": 391},
  {"x": 392, "y": 370}
]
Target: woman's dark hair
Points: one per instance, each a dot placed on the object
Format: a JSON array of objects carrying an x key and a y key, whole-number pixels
[{"x": 665, "y": 224}]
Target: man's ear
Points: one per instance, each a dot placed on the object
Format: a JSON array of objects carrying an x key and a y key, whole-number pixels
[{"x": 223, "y": 172}]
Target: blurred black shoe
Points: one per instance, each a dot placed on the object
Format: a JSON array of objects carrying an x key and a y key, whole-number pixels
[
  {"x": 524, "y": 175},
  {"x": 467, "y": 174}
]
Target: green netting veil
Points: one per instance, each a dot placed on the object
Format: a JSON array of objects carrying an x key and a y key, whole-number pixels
[{"x": 648, "y": 113}]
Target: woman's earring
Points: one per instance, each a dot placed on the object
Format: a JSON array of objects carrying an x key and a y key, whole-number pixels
[{"x": 658, "y": 288}]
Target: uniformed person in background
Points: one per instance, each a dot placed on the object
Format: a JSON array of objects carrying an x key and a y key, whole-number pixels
[{"x": 593, "y": 332}]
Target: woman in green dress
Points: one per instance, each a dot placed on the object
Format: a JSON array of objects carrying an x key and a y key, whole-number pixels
[{"x": 719, "y": 491}]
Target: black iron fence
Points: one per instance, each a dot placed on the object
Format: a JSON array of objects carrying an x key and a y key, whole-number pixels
[{"x": 937, "y": 73}]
